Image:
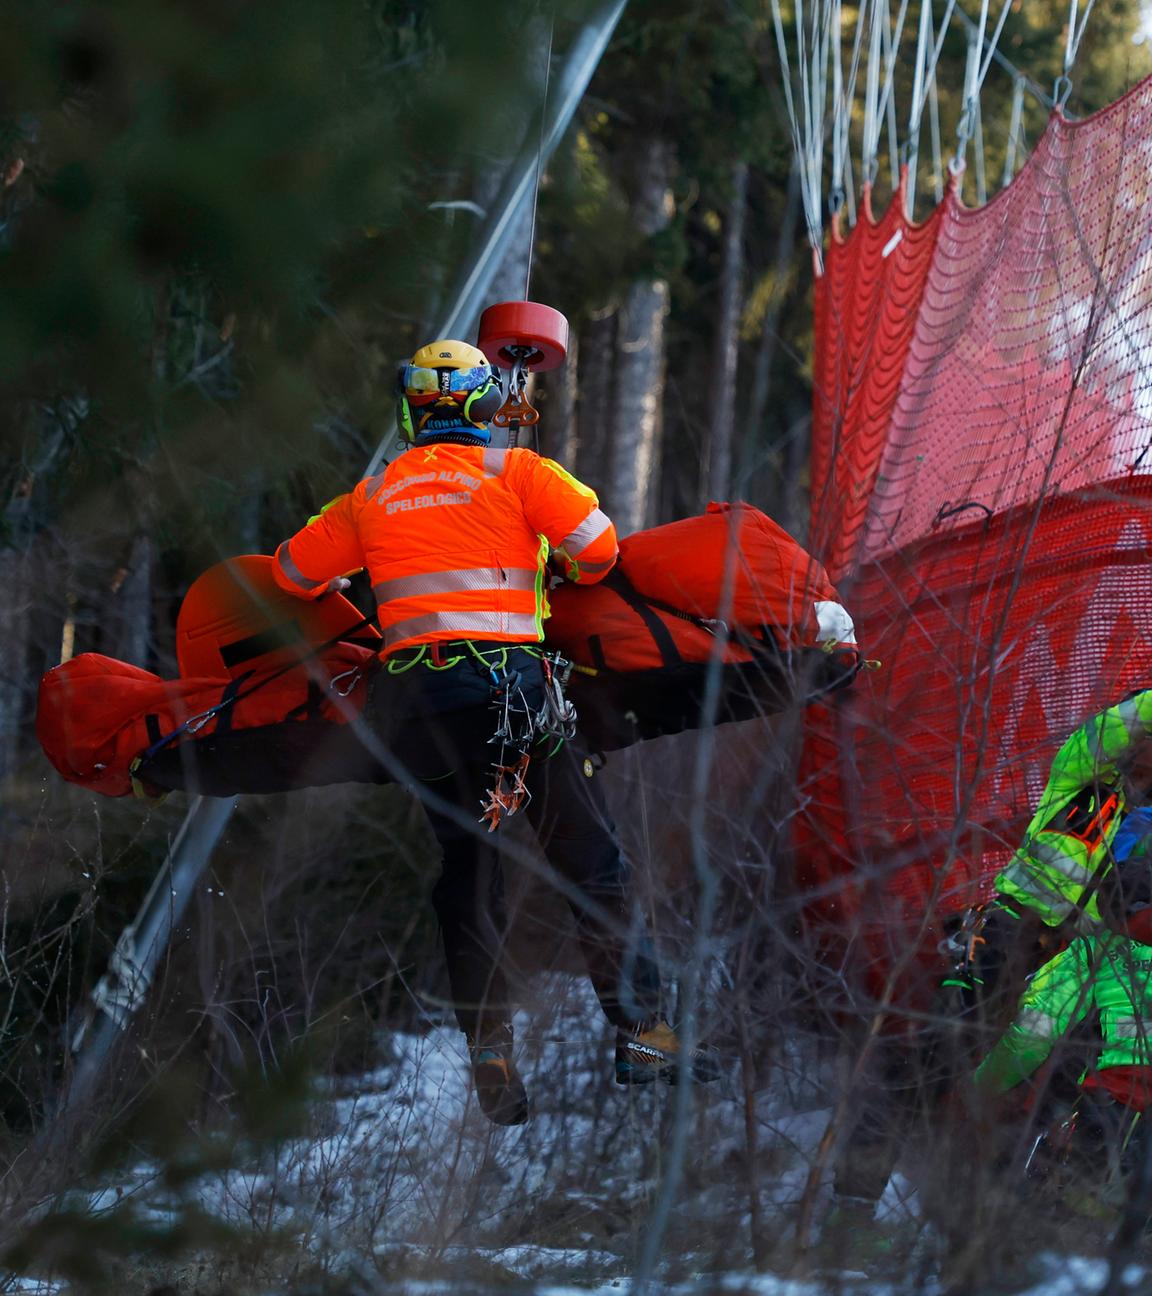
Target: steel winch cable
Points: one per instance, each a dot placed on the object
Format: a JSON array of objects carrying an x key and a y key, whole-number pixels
[
  {"x": 470, "y": 288},
  {"x": 539, "y": 155}
]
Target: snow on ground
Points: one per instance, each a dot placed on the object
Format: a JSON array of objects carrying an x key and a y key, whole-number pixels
[{"x": 401, "y": 1181}]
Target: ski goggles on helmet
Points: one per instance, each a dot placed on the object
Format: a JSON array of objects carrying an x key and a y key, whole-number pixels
[{"x": 422, "y": 385}]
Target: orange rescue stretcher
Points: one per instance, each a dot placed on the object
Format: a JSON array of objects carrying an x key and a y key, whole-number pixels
[{"x": 270, "y": 687}]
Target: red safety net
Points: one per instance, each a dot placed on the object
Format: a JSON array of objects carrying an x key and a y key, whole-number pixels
[
  {"x": 982, "y": 496},
  {"x": 866, "y": 306}
]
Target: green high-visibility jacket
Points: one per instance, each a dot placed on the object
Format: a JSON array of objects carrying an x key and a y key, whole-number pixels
[
  {"x": 1069, "y": 839},
  {"x": 1105, "y": 973}
]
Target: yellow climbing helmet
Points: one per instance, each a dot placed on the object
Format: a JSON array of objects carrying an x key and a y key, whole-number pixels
[{"x": 447, "y": 388}]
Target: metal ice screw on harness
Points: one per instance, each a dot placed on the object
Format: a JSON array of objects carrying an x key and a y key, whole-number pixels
[
  {"x": 512, "y": 707},
  {"x": 519, "y": 728},
  {"x": 516, "y": 731},
  {"x": 557, "y": 716}
]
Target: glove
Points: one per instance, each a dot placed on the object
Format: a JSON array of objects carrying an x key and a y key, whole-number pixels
[{"x": 337, "y": 585}]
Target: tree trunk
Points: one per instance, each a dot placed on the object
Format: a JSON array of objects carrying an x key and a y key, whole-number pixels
[
  {"x": 131, "y": 637},
  {"x": 638, "y": 393},
  {"x": 594, "y": 404},
  {"x": 249, "y": 511},
  {"x": 15, "y": 626},
  {"x": 23, "y": 563},
  {"x": 727, "y": 342},
  {"x": 562, "y": 435},
  {"x": 754, "y": 432}
]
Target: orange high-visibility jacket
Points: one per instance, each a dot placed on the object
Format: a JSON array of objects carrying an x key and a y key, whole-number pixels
[{"x": 455, "y": 539}]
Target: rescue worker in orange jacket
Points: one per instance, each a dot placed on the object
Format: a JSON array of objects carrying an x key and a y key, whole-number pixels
[{"x": 455, "y": 536}]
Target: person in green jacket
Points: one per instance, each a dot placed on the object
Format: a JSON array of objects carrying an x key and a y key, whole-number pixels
[
  {"x": 1104, "y": 977},
  {"x": 1106, "y": 974},
  {"x": 1046, "y": 893},
  {"x": 1048, "y": 888},
  {"x": 1083, "y": 804}
]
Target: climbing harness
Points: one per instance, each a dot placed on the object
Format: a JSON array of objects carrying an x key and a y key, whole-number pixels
[
  {"x": 961, "y": 947},
  {"x": 522, "y": 726},
  {"x": 520, "y": 729}
]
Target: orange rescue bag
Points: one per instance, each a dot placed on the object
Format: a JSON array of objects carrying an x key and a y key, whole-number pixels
[
  {"x": 730, "y": 583},
  {"x": 95, "y": 715}
]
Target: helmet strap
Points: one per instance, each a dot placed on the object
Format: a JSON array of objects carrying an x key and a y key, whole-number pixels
[{"x": 404, "y": 419}]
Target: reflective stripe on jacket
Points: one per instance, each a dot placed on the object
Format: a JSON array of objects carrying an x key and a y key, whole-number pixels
[
  {"x": 1108, "y": 974},
  {"x": 1069, "y": 839},
  {"x": 455, "y": 539}
]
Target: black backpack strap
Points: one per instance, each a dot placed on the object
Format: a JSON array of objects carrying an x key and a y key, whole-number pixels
[
  {"x": 232, "y": 694},
  {"x": 227, "y": 698},
  {"x": 645, "y": 610},
  {"x": 312, "y": 708},
  {"x": 711, "y": 625}
]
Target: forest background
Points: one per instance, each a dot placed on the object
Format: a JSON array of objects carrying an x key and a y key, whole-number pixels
[{"x": 221, "y": 226}]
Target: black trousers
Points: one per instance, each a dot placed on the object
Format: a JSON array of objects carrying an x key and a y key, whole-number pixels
[{"x": 438, "y": 724}]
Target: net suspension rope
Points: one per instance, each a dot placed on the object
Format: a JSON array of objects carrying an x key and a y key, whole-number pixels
[
  {"x": 886, "y": 46},
  {"x": 934, "y": 132},
  {"x": 1072, "y": 48},
  {"x": 1001, "y": 60},
  {"x": 842, "y": 185},
  {"x": 970, "y": 121},
  {"x": 539, "y": 152},
  {"x": 923, "y": 79},
  {"x": 807, "y": 144},
  {"x": 820, "y": 108},
  {"x": 871, "y": 100},
  {"x": 1009, "y": 171}
]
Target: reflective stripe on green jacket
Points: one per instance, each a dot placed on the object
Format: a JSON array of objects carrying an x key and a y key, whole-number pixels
[
  {"x": 1068, "y": 840},
  {"x": 1105, "y": 973}
]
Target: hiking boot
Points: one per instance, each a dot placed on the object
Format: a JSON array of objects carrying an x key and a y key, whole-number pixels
[
  {"x": 499, "y": 1089},
  {"x": 652, "y": 1052}
]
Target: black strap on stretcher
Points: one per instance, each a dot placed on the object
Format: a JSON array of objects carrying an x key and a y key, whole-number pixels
[{"x": 234, "y": 692}]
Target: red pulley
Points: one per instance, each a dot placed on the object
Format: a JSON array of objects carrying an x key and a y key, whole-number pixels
[{"x": 530, "y": 326}]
